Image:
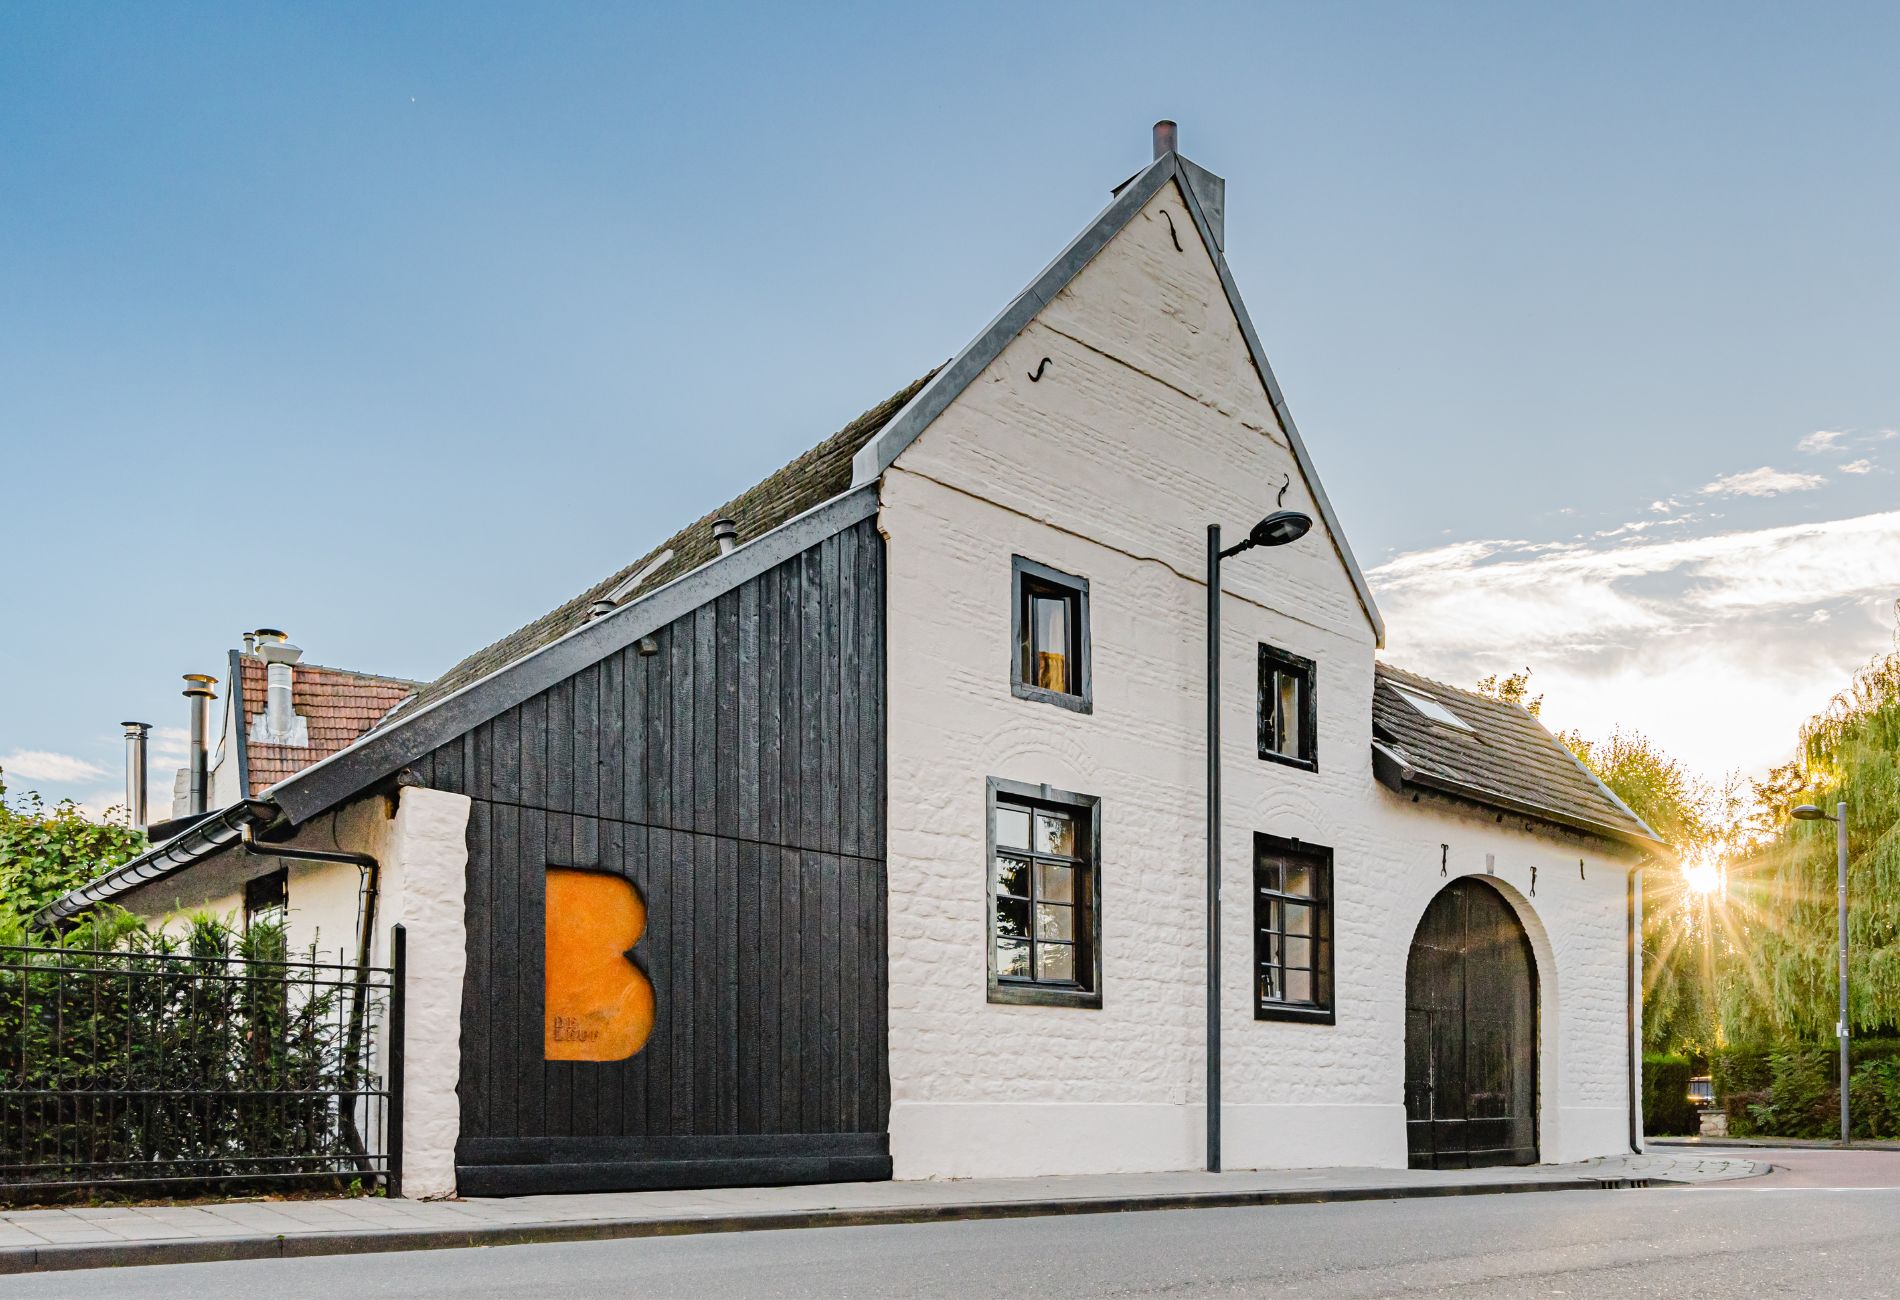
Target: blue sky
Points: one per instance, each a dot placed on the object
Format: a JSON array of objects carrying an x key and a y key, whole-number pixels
[{"x": 393, "y": 326}]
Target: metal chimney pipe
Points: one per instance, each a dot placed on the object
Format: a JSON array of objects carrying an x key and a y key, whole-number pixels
[
  {"x": 135, "y": 781},
  {"x": 726, "y": 533},
  {"x": 280, "y": 715},
  {"x": 1167, "y": 137},
  {"x": 198, "y": 787}
]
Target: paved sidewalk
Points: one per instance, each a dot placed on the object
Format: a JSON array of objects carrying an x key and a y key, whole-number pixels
[
  {"x": 1774, "y": 1143},
  {"x": 32, "y": 1240}
]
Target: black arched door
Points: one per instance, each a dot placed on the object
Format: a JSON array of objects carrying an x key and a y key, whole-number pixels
[{"x": 1470, "y": 1034}]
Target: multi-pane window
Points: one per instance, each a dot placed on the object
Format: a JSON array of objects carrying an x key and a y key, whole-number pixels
[
  {"x": 1289, "y": 712},
  {"x": 1051, "y": 635},
  {"x": 1293, "y": 930},
  {"x": 1044, "y": 896}
]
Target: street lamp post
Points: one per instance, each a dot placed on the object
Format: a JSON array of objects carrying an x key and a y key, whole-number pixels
[
  {"x": 1807, "y": 812},
  {"x": 1277, "y": 529}
]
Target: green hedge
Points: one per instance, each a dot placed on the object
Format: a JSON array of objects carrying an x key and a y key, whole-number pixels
[
  {"x": 1793, "y": 1089},
  {"x": 204, "y": 1059},
  {"x": 1667, "y": 1110}
]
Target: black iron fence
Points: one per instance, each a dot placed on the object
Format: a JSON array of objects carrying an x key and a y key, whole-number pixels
[{"x": 175, "y": 1073}]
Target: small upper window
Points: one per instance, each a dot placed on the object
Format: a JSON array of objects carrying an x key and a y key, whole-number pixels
[
  {"x": 1289, "y": 713},
  {"x": 1051, "y": 623},
  {"x": 1045, "y": 900},
  {"x": 267, "y": 899},
  {"x": 1432, "y": 709}
]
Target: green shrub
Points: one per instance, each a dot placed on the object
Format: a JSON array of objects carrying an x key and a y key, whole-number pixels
[
  {"x": 46, "y": 851},
  {"x": 202, "y": 1057},
  {"x": 1873, "y": 1090},
  {"x": 1740, "y": 1069},
  {"x": 1793, "y": 1089},
  {"x": 1667, "y": 1110},
  {"x": 1741, "y": 1107}
]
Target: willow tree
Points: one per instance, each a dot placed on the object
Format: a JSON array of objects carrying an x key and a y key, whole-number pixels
[
  {"x": 1782, "y": 986},
  {"x": 1685, "y": 944}
]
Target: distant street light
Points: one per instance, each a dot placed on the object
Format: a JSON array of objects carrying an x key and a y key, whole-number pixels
[
  {"x": 1277, "y": 529},
  {"x": 1807, "y": 812}
]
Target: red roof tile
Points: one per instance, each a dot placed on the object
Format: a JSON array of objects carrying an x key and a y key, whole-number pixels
[{"x": 336, "y": 704}]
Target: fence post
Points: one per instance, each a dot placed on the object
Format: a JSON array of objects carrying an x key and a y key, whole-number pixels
[{"x": 398, "y": 963}]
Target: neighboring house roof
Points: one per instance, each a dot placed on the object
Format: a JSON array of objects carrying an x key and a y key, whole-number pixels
[
  {"x": 1506, "y": 759},
  {"x": 337, "y": 706}
]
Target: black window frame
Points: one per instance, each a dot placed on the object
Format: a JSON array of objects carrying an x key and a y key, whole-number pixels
[
  {"x": 1322, "y": 1009},
  {"x": 267, "y": 899},
  {"x": 1028, "y": 578},
  {"x": 1275, "y": 661},
  {"x": 1087, "y": 812}
]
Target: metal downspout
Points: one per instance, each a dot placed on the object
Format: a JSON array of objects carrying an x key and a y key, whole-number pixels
[
  {"x": 1632, "y": 1005},
  {"x": 369, "y": 885}
]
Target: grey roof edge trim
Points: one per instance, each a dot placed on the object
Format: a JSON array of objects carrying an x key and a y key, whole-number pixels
[
  {"x": 243, "y": 732},
  {"x": 382, "y": 752},
  {"x": 1397, "y": 773},
  {"x": 1301, "y": 456},
  {"x": 1608, "y": 793},
  {"x": 877, "y": 455},
  {"x": 216, "y": 832},
  {"x": 921, "y": 411}
]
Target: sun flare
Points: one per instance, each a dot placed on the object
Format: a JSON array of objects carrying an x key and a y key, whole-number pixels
[{"x": 1703, "y": 878}]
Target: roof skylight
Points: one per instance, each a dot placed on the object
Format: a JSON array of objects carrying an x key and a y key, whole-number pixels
[{"x": 1432, "y": 709}]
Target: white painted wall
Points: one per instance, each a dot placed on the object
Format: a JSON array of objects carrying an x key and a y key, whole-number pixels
[
  {"x": 1150, "y": 423},
  {"x": 426, "y": 871}
]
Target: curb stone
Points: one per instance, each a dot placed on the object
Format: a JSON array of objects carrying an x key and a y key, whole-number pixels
[
  {"x": 51, "y": 1258},
  {"x": 1781, "y": 1144}
]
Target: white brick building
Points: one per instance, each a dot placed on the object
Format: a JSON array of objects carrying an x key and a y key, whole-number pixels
[{"x": 819, "y": 756}]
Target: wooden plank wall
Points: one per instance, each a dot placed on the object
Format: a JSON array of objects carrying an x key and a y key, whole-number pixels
[{"x": 736, "y": 776}]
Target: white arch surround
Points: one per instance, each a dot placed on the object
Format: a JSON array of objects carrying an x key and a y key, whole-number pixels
[{"x": 1544, "y": 969}]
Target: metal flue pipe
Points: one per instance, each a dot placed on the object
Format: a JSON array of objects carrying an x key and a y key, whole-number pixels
[
  {"x": 198, "y": 781},
  {"x": 135, "y": 771}
]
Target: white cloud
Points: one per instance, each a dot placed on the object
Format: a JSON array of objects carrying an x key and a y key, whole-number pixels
[
  {"x": 1861, "y": 466},
  {"x": 1763, "y": 482},
  {"x": 1821, "y": 440},
  {"x": 106, "y": 806},
  {"x": 42, "y": 765},
  {"x": 1719, "y": 646}
]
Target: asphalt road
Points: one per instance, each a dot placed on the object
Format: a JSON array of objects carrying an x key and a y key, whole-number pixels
[{"x": 1781, "y": 1236}]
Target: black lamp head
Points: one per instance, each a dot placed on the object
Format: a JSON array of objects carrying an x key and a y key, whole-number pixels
[
  {"x": 1807, "y": 812},
  {"x": 1279, "y": 528}
]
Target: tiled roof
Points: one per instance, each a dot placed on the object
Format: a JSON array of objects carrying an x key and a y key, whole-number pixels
[
  {"x": 1507, "y": 755},
  {"x": 812, "y": 479},
  {"x": 337, "y": 705}
]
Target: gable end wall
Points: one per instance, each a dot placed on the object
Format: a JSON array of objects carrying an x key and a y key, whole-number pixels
[{"x": 1149, "y": 423}]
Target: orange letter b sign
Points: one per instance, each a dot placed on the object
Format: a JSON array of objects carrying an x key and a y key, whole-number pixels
[{"x": 599, "y": 1004}]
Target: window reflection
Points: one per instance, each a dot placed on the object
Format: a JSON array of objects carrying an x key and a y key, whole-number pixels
[{"x": 1040, "y": 895}]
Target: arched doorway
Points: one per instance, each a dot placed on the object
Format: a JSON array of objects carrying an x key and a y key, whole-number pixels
[{"x": 1470, "y": 1033}]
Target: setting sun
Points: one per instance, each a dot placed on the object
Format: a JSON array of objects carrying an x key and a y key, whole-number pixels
[{"x": 1702, "y": 877}]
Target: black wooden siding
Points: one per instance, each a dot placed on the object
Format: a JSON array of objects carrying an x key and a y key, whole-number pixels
[{"x": 736, "y": 776}]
